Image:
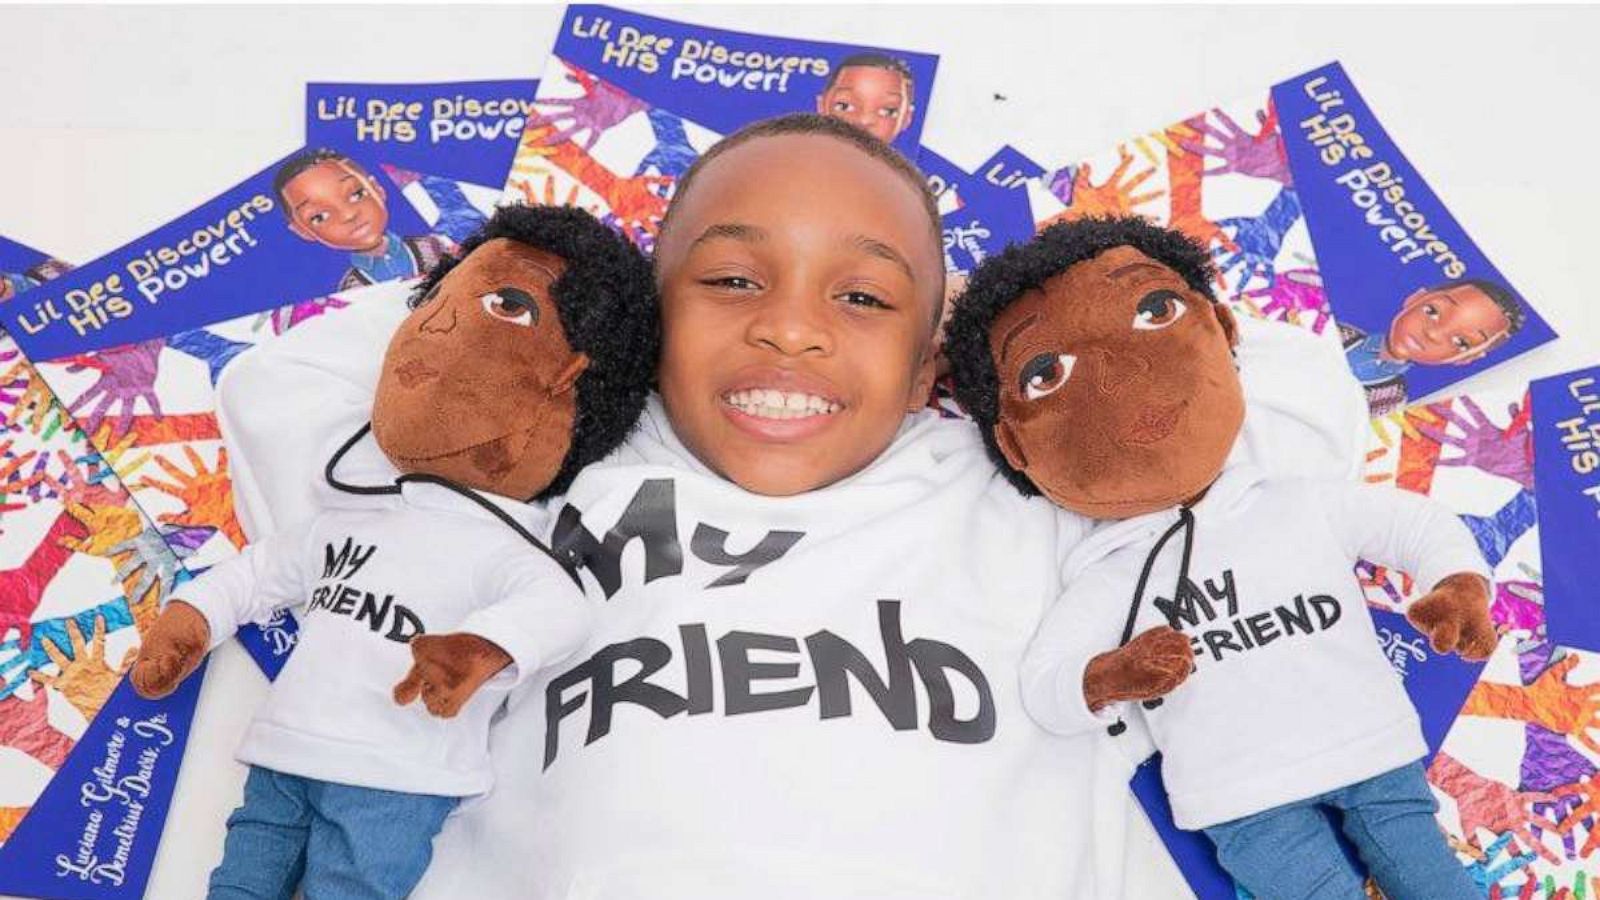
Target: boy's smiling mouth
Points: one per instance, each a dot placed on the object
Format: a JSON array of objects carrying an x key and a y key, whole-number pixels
[
  {"x": 767, "y": 403},
  {"x": 779, "y": 404}
]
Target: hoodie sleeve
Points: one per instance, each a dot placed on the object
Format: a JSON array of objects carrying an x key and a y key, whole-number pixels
[
  {"x": 530, "y": 609},
  {"x": 1086, "y": 621},
  {"x": 1400, "y": 530},
  {"x": 282, "y": 403},
  {"x": 1307, "y": 415},
  {"x": 268, "y": 575}
]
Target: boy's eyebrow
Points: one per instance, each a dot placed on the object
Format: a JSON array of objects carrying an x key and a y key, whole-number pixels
[
  {"x": 736, "y": 231},
  {"x": 1005, "y": 342},
  {"x": 874, "y": 247}
]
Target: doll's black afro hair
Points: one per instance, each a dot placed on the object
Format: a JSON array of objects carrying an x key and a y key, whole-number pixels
[
  {"x": 607, "y": 301},
  {"x": 1020, "y": 268}
]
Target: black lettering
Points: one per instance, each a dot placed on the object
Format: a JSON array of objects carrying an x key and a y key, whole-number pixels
[
  {"x": 697, "y": 669},
  {"x": 1186, "y": 607},
  {"x": 556, "y": 708},
  {"x": 711, "y": 545},
  {"x": 652, "y": 655},
  {"x": 1328, "y": 610},
  {"x": 1244, "y": 637},
  {"x": 933, "y": 660},
  {"x": 1218, "y": 641},
  {"x": 406, "y": 625},
  {"x": 1301, "y": 616},
  {"x": 333, "y": 564},
  {"x": 1224, "y": 592},
  {"x": 371, "y": 611},
  {"x": 733, "y": 650},
  {"x": 319, "y": 596},
  {"x": 345, "y": 601},
  {"x": 833, "y": 656},
  {"x": 651, "y": 516},
  {"x": 1262, "y": 628}
]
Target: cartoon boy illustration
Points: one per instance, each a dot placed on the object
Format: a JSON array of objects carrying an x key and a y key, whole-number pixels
[
  {"x": 12, "y": 284},
  {"x": 1454, "y": 323},
  {"x": 330, "y": 199},
  {"x": 871, "y": 91}
]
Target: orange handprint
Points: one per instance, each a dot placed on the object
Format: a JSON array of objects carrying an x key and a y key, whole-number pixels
[
  {"x": 84, "y": 680},
  {"x": 206, "y": 494},
  {"x": 1551, "y": 702},
  {"x": 36, "y": 400},
  {"x": 1419, "y": 453},
  {"x": 1588, "y": 794},
  {"x": 1113, "y": 197},
  {"x": 10, "y": 818}
]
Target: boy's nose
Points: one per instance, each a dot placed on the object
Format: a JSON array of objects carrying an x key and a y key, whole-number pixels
[{"x": 789, "y": 326}]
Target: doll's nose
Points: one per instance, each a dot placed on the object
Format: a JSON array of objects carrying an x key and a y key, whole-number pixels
[
  {"x": 1113, "y": 371},
  {"x": 441, "y": 321}
]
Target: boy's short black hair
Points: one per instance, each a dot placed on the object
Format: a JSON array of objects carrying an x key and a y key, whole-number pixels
[
  {"x": 606, "y": 298},
  {"x": 871, "y": 60},
  {"x": 999, "y": 280},
  {"x": 298, "y": 163},
  {"x": 1497, "y": 293}
]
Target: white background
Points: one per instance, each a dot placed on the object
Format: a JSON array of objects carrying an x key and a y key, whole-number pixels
[{"x": 114, "y": 120}]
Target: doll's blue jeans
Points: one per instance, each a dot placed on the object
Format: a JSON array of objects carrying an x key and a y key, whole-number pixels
[
  {"x": 336, "y": 841},
  {"x": 1291, "y": 852}
]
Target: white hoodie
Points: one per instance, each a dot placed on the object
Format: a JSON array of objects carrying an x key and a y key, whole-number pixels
[
  {"x": 363, "y": 583},
  {"x": 783, "y": 697},
  {"x": 1291, "y": 696}
]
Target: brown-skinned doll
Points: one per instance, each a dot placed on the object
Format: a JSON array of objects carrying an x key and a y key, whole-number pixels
[
  {"x": 521, "y": 361},
  {"x": 1102, "y": 372}
]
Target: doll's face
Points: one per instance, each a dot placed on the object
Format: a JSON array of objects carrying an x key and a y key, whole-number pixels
[
  {"x": 477, "y": 383},
  {"x": 1118, "y": 391}
]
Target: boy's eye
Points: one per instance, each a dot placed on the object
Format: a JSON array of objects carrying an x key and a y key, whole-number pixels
[
  {"x": 1045, "y": 374},
  {"x": 317, "y": 218},
  {"x": 1157, "y": 310},
  {"x": 841, "y": 106},
  {"x": 357, "y": 195},
  {"x": 731, "y": 282},
  {"x": 889, "y": 112},
  {"x": 512, "y": 305},
  {"x": 1461, "y": 344},
  {"x": 1431, "y": 311},
  {"x": 862, "y": 298}
]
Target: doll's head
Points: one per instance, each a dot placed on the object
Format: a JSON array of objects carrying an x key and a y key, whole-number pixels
[
  {"x": 1100, "y": 367},
  {"x": 524, "y": 359}
]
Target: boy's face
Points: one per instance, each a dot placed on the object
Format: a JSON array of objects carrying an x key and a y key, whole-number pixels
[
  {"x": 1457, "y": 324},
  {"x": 1118, "y": 391},
  {"x": 872, "y": 99},
  {"x": 799, "y": 282},
  {"x": 337, "y": 205},
  {"x": 477, "y": 382}
]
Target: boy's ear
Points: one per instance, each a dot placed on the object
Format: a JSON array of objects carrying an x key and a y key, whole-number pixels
[{"x": 922, "y": 383}]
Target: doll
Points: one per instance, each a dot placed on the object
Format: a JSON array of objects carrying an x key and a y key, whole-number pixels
[
  {"x": 1100, "y": 369},
  {"x": 522, "y": 361}
]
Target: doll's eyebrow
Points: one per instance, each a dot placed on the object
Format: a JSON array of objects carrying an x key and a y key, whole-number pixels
[
  {"x": 1014, "y": 331},
  {"x": 1121, "y": 270}
]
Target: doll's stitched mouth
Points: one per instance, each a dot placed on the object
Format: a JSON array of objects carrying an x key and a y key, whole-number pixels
[
  {"x": 1154, "y": 424},
  {"x": 414, "y": 372}
]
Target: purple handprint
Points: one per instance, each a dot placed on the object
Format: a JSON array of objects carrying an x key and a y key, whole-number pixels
[
  {"x": 284, "y": 318},
  {"x": 127, "y": 374},
  {"x": 1258, "y": 239},
  {"x": 1259, "y": 155},
  {"x": 1061, "y": 181},
  {"x": 1289, "y": 295},
  {"x": 1518, "y": 605},
  {"x": 1486, "y": 446},
  {"x": 600, "y": 108}
]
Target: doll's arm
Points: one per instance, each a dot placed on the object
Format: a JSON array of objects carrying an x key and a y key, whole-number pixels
[
  {"x": 265, "y": 577},
  {"x": 1412, "y": 533},
  {"x": 539, "y": 618},
  {"x": 1074, "y": 675},
  {"x": 284, "y": 404}
]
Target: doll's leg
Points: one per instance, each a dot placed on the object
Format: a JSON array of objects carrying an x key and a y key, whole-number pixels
[
  {"x": 367, "y": 843},
  {"x": 1390, "y": 819},
  {"x": 1288, "y": 852},
  {"x": 264, "y": 853}
]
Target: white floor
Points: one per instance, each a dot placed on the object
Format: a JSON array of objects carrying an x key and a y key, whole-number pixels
[{"x": 117, "y": 119}]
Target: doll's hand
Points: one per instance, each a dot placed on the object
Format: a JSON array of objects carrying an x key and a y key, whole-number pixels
[
  {"x": 1151, "y": 665},
  {"x": 447, "y": 669},
  {"x": 171, "y": 649},
  {"x": 1455, "y": 617}
]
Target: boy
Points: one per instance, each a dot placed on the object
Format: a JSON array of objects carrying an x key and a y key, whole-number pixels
[
  {"x": 1454, "y": 323},
  {"x": 330, "y": 199},
  {"x": 809, "y": 607},
  {"x": 872, "y": 92}
]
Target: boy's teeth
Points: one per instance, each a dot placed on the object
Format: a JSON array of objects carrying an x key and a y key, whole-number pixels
[{"x": 772, "y": 404}]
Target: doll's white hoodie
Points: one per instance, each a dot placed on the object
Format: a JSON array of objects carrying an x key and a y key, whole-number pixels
[
  {"x": 1291, "y": 696},
  {"x": 837, "y": 714},
  {"x": 364, "y": 582}
]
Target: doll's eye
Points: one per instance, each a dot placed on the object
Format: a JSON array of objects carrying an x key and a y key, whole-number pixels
[
  {"x": 1045, "y": 374},
  {"x": 512, "y": 305},
  {"x": 1158, "y": 309}
]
